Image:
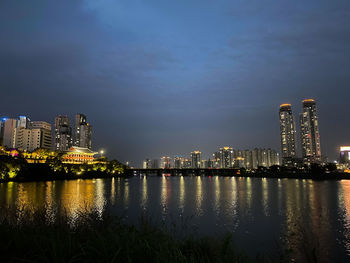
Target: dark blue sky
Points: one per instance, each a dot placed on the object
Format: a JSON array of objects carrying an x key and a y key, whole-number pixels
[{"x": 167, "y": 77}]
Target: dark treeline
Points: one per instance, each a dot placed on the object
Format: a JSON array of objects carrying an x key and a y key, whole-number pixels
[{"x": 18, "y": 169}]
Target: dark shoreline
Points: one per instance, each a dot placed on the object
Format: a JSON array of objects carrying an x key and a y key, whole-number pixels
[{"x": 98, "y": 175}]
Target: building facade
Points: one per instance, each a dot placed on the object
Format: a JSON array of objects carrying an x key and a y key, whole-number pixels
[
  {"x": 63, "y": 133},
  {"x": 226, "y": 157},
  {"x": 179, "y": 162},
  {"x": 78, "y": 155},
  {"x": 344, "y": 157},
  {"x": 83, "y": 132},
  {"x": 309, "y": 131},
  {"x": 165, "y": 162},
  {"x": 36, "y": 135},
  {"x": 196, "y": 158},
  {"x": 288, "y": 134},
  {"x": 8, "y": 126}
]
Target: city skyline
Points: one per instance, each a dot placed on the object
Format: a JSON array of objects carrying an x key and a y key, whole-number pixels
[
  {"x": 163, "y": 78},
  {"x": 81, "y": 135}
]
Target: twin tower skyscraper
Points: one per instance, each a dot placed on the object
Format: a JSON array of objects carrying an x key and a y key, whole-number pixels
[
  {"x": 309, "y": 133},
  {"x": 63, "y": 133}
]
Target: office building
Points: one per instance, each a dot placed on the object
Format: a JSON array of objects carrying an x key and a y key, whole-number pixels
[
  {"x": 310, "y": 136},
  {"x": 196, "y": 158},
  {"x": 288, "y": 134},
  {"x": 226, "y": 157},
  {"x": 83, "y": 132},
  {"x": 36, "y": 135},
  {"x": 63, "y": 133}
]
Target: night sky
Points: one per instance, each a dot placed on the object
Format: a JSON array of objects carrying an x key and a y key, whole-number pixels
[{"x": 167, "y": 77}]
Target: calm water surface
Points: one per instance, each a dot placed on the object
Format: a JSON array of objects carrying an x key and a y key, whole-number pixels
[{"x": 259, "y": 212}]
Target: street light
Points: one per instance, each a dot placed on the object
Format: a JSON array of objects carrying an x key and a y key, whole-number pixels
[{"x": 101, "y": 153}]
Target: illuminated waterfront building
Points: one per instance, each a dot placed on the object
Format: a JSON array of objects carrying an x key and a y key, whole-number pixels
[
  {"x": 155, "y": 163},
  {"x": 252, "y": 159},
  {"x": 344, "y": 155},
  {"x": 196, "y": 158},
  {"x": 178, "y": 162},
  {"x": 288, "y": 134},
  {"x": 63, "y": 133},
  {"x": 247, "y": 155},
  {"x": 187, "y": 163},
  {"x": 215, "y": 162},
  {"x": 83, "y": 132},
  {"x": 165, "y": 162},
  {"x": 147, "y": 164},
  {"x": 310, "y": 136},
  {"x": 204, "y": 164},
  {"x": 150, "y": 164},
  {"x": 226, "y": 157},
  {"x": 78, "y": 155}
]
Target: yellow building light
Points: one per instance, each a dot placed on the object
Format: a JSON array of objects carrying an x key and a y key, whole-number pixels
[
  {"x": 285, "y": 105},
  {"x": 309, "y": 100},
  {"x": 344, "y": 148}
]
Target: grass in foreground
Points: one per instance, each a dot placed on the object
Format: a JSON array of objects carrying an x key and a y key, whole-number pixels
[{"x": 35, "y": 237}]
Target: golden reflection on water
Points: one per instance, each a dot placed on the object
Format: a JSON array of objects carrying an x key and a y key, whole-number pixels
[
  {"x": 99, "y": 196},
  {"x": 76, "y": 196},
  {"x": 217, "y": 195},
  {"x": 165, "y": 194},
  {"x": 233, "y": 206},
  {"x": 304, "y": 206},
  {"x": 113, "y": 191},
  {"x": 265, "y": 201},
  {"x": 126, "y": 193},
  {"x": 144, "y": 193},
  {"x": 344, "y": 201},
  {"x": 182, "y": 195},
  {"x": 199, "y": 196}
]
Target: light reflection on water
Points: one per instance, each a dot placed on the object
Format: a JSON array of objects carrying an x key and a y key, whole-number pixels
[{"x": 259, "y": 211}]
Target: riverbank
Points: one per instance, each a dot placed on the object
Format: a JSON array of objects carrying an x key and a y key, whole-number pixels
[
  {"x": 38, "y": 175},
  {"x": 36, "y": 237}
]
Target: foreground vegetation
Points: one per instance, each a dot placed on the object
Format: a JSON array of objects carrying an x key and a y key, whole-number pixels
[{"x": 91, "y": 237}]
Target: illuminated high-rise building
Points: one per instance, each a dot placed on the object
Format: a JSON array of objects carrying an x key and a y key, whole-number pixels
[
  {"x": 178, "y": 162},
  {"x": 344, "y": 155},
  {"x": 226, "y": 157},
  {"x": 187, "y": 163},
  {"x": 63, "y": 133},
  {"x": 147, "y": 164},
  {"x": 215, "y": 162},
  {"x": 310, "y": 135},
  {"x": 83, "y": 132},
  {"x": 196, "y": 158},
  {"x": 288, "y": 134},
  {"x": 165, "y": 162}
]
